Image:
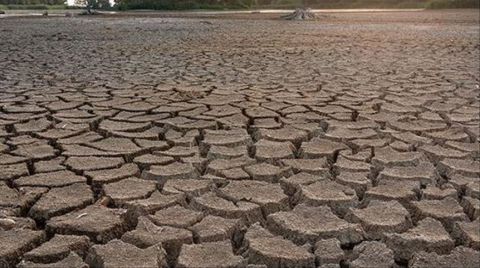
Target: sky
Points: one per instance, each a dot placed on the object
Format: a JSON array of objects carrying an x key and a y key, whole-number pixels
[{"x": 71, "y": 2}]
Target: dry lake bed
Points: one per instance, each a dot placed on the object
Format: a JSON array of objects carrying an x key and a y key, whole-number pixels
[{"x": 240, "y": 140}]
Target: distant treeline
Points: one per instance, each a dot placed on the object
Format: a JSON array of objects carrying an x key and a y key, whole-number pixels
[
  {"x": 245, "y": 4},
  {"x": 32, "y": 2},
  {"x": 233, "y": 4}
]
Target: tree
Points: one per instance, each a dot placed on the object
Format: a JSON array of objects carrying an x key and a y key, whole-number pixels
[{"x": 92, "y": 4}]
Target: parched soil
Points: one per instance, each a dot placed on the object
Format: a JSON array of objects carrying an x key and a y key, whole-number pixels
[{"x": 200, "y": 140}]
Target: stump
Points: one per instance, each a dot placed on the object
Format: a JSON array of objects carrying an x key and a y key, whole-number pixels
[{"x": 301, "y": 14}]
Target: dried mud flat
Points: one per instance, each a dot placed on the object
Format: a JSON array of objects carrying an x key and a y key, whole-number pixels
[{"x": 352, "y": 141}]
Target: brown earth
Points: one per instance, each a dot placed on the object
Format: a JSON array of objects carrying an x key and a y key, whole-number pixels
[{"x": 199, "y": 140}]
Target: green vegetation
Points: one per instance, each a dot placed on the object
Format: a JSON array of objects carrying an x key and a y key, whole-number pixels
[
  {"x": 32, "y": 4},
  {"x": 32, "y": 7},
  {"x": 436, "y": 4},
  {"x": 183, "y": 4},
  {"x": 247, "y": 4}
]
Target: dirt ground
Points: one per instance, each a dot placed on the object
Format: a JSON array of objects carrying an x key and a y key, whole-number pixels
[{"x": 240, "y": 140}]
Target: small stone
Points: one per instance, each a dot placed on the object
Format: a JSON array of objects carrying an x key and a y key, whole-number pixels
[{"x": 11, "y": 222}]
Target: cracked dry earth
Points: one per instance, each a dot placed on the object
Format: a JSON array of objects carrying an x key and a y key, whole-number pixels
[{"x": 176, "y": 142}]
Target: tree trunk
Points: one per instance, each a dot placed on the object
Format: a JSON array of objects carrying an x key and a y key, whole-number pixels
[{"x": 301, "y": 14}]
